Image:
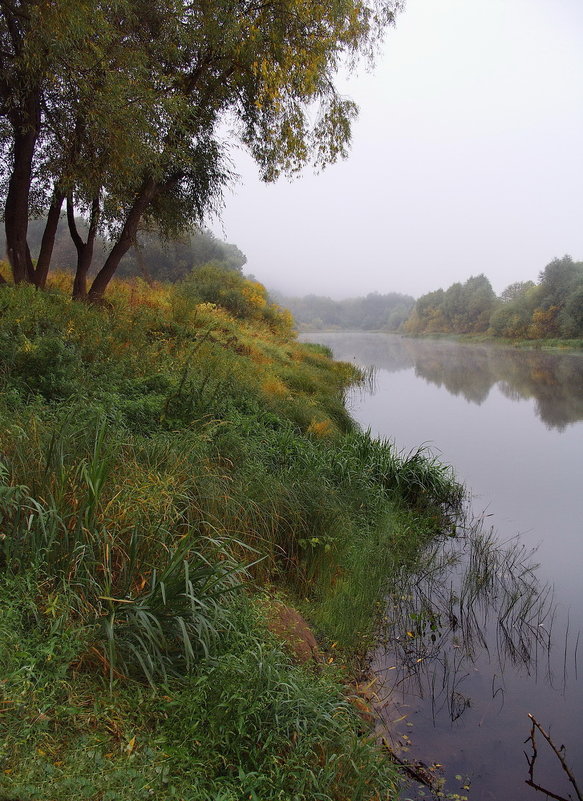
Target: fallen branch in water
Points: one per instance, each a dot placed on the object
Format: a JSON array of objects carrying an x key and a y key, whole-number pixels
[{"x": 560, "y": 754}]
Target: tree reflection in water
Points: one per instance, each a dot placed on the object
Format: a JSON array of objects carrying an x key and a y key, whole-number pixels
[{"x": 553, "y": 380}]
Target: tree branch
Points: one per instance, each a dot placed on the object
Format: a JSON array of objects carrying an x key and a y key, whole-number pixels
[{"x": 559, "y": 753}]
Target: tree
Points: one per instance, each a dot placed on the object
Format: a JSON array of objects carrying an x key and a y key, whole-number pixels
[
  {"x": 480, "y": 301},
  {"x": 558, "y": 294},
  {"x": 516, "y": 290},
  {"x": 571, "y": 318},
  {"x": 179, "y": 73},
  {"x": 427, "y": 315},
  {"x": 170, "y": 259},
  {"x": 74, "y": 102},
  {"x": 264, "y": 66},
  {"x": 558, "y": 280}
]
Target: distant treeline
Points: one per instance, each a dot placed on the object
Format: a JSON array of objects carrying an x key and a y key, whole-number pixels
[
  {"x": 152, "y": 257},
  {"x": 371, "y": 313},
  {"x": 551, "y": 308}
]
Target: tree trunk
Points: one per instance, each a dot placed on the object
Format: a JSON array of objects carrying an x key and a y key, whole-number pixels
[
  {"x": 146, "y": 194},
  {"x": 84, "y": 249},
  {"x": 48, "y": 240},
  {"x": 26, "y": 125}
]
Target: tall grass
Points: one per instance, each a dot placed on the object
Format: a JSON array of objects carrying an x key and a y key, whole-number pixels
[
  {"x": 155, "y": 598},
  {"x": 162, "y": 462},
  {"x": 246, "y": 725}
]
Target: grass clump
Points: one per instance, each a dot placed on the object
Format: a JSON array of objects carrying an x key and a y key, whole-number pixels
[
  {"x": 165, "y": 461},
  {"x": 247, "y": 724}
]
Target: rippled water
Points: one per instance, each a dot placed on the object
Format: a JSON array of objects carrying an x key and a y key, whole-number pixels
[{"x": 463, "y": 665}]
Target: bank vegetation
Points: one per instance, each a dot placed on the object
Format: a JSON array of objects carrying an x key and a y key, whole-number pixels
[
  {"x": 549, "y": 310},
  {"x": 176, "y": 473}
]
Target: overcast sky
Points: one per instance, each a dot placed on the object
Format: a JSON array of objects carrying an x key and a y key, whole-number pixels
[{"x": 467, "y": 157}]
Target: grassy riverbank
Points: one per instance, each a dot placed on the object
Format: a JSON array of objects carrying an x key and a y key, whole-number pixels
[
  {"x": 170, "y": 476},
  {"x": 556, "y": 345}
]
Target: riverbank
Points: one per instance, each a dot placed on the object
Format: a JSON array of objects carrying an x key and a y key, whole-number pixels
[
  {"x": 552, "y": 345},
  {"x": 490, "y": 412},
  {"x": 170, "y": 476}
]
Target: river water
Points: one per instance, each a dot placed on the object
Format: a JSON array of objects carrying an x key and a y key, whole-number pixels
[{"x": 456, "y": 679}]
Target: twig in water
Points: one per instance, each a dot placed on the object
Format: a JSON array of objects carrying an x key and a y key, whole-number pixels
[{"x": 559, "y": 752}]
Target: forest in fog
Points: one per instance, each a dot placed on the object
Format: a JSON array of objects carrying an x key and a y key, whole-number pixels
[{"x": 551, "y": 307}]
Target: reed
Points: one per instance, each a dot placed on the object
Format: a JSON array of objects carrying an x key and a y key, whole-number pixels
[{"x": 467, "y": 595}]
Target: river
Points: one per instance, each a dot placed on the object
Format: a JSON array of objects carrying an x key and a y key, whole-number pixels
[{"x": 510, "y": 422}]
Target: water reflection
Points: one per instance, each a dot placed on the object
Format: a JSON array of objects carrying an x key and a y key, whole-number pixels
[
  {"x": 554, "y": 381},
  {"x": 459, "y": 632},
  {"x": 470, "y": 596},
  {"x": 469, "y": 673}
]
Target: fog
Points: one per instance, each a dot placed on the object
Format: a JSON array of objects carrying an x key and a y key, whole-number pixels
[{"x": 467, "y": 158}]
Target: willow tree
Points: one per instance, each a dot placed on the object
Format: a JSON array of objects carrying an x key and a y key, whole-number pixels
[
  {"x": 37, "y": 41},
  {"x": 210, "y": 74},
  {"x": 76, "y": 102},
  {"x": 266, "y": 70}
]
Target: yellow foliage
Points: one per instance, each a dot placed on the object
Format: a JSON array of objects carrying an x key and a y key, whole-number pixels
[
  {"x": 321, "y": 428},
  {"x": 58, "y": 279},
  {"x": 544, "y": 323},
  {"x": 253, "y": 295},
  {"x": 274, "y": 386},
  {"x": 136, "y": 292}
]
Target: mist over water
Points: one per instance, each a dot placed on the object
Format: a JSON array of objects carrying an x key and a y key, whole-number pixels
[{"x": 494, "y": 637}]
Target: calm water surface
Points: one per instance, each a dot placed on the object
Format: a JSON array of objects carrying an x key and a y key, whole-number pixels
[{"x": 511, "y": 424}]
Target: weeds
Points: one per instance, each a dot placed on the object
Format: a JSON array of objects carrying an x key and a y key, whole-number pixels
[{"x": 161, "y": 462}]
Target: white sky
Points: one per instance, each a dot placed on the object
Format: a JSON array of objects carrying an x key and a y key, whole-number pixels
[{"x": 467, "y": 157}]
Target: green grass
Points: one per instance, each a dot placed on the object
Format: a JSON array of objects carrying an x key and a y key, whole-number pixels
[
  {"x": 163, "y": 466},
  {"x": 246, "y": 725}
]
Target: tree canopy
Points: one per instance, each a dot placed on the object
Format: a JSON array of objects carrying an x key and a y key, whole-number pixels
[
  {"x": 551, "y": 308},
  {"x": 126, "y": 111}
]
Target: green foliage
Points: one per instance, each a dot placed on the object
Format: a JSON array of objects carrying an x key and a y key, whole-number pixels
[
  {"x": 513, "y": 317},
  {"x": 137, "y": 533},
  {"x": 166, "y": 627},
  {"x": 124, "y": 110},
  {"x": 153, "y": 257},
  {"x": 463, "y": 308},
  {"x": 248, "y": 724},
  {"x": 553, "y": 308},
  {"x": 571, "y": 316}
]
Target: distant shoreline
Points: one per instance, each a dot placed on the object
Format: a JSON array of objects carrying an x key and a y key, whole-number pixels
[{"x": 551, "y": 345}]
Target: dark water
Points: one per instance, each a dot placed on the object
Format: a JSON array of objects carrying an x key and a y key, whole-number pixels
[{"x": 463, "y": 666}]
